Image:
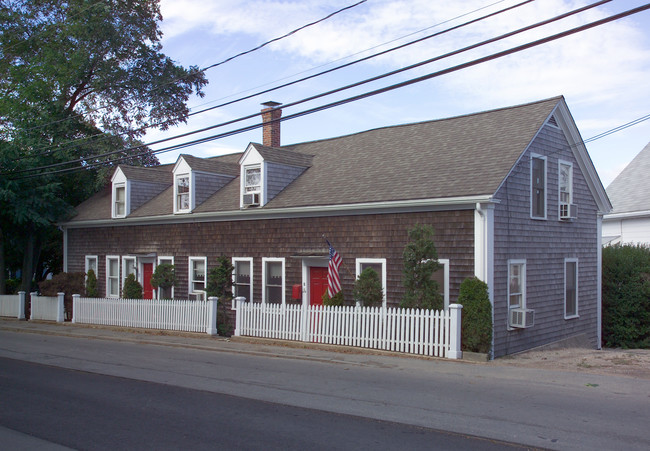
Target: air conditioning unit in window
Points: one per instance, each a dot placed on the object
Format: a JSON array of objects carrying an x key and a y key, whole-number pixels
[
  {"x": 568, "y": 211},
  {"x": 522, "y": 318},
  {"x": 198, "y": 296},
  {"x": 251, "y": 200}
]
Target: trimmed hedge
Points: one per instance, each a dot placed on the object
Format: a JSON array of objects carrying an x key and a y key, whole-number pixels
[
  {"x": 476, "y": 323},
  {"x": 626, "y": 296}
]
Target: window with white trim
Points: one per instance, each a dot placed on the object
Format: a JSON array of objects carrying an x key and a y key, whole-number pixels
[
  {"x": 565, "y": 187},
  {"x": 128, "y": 267},
  {"x": 182, "y": 193},
  {"x": 253, "y": 179},
  {"x": 379, "y": 265},
  {"x": 538, "y": 187},
  {"x": 442, "y": 277},
  {"x": 119, "y": 200},
  {"x": 516, "y": 284},
  {"x": 112, "y": 276},
  {"x": 273, "y": 281},
  {"x": 161, "y": 293},
  {"x": 197, "y": 274},
  {"x": 570, "y": 288},
  {"x": 91, "y": 263},
  {"x": 242, "y": 277}
]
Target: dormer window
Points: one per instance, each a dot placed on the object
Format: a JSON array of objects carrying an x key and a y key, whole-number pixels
[
  {"x": 120, "y": 201},
  {"x": 182, "y": 193},
  {"x": 253, "y": 179}
]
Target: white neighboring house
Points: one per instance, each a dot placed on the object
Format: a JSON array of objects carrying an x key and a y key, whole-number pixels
[{"x": 629, "y": 221}]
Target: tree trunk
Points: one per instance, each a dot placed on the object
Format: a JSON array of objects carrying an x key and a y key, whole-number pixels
[{"x": 28, "y": 262}]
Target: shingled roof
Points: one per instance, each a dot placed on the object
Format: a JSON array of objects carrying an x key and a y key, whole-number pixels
[
  {"x": 629, "y": 190},
  {"x": 458, "y": 157}
]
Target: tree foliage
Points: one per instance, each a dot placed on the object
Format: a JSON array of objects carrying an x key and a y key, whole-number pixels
[
  {"x": 163, "y": 278},
  {"x": 220, "y": 279},
  {"x": 132, "y": 288},
  {"x": 476, "y": 323},
  {"x": 367, "y": 288},
  {"x": 420, "y": 262},
  {"x": 91, "y": 284},
  {"x": 626, "y": 296},
  {"x": 78, "y": 80}
]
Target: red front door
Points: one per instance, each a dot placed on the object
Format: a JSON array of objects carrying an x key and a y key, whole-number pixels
[
  {"x": 317, "y": 285},
  {"x": 147, "y": 289}
]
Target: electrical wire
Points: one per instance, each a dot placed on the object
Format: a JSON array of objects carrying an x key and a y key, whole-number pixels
[{"x": 391, "y": 87}]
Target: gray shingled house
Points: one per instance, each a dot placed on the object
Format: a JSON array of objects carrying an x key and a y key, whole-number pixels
[
  {"x": 629, "y": 221},
  {"x": 511, "y": 193}
]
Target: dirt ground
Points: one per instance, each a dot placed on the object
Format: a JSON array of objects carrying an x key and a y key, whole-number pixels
[{"x": 619, "y": 362}]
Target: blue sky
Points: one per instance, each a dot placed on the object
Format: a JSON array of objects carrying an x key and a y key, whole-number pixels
[{"x": 604, "y": 73}]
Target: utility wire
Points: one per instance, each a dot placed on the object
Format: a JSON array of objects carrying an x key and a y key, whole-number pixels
[
  {"x": 105, "y": 137},
  {"x": 413, "y": 66},
  {"x": 388, "y": 88}
]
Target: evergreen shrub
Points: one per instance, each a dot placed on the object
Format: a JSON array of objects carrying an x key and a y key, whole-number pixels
[
  {"x": 132, "y": 288},
  {"x": 367, "y": 288},
  {"x": 476, "y": 319}
]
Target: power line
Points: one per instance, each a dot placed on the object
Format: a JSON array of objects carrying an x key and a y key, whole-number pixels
[
  {"x": 387, "y": 88},
  {"x": 103, "y": 136}
]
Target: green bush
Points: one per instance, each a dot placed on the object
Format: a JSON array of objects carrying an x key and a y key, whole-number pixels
[
  {"x": 420, "y": 262},
  {"x": 132, "y": 288},
  {"x": 367, "y": 288},
  {"x": 163, "y": 278},
  {"x": 626, "y": 296},
  {"x": 337, "y": 300},
  {"x": 91, "y": 284},
  {"x": 12, "y": 285},
  {"x": 220, "y": 285},
  {"x": 476, "y": 321}
]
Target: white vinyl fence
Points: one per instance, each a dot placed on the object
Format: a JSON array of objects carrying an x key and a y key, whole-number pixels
[
  {"x": 414, "y": 331},
  {"x": 48, "y": 308},
  {"x": 13, "y": 305},
  {"x": 180, "y": 315}
]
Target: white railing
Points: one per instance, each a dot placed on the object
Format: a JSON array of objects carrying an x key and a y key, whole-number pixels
[
  {"x": 180, "y": 315},
  {"x": 47, "y": 308},
  {"x": 13, "y": 305},
  {"x": 414, "y": 331}
]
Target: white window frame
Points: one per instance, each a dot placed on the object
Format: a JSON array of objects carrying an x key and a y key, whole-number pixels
[
  {"x": 114, "y": 209},
  {"x": 559, "y": 184},
  {"x": 253, "y": 188},
  {"x": 190, "y": 280},
  {"x": 88, "y": 266},
  {"x": 522, "y": 303},
  {"x": 444, "y": 262},
  {"x": 110, "y": 276},
  {"x": 532, "y": 186},
  {"x": 160, "y": 261},
  {"x": 577, "y": 292},
  {"x": 382, "y": 261},
  {"x": 248, "y": 260},
  {"x": 126, "y": 273},
  {"x": 266, "y": 260},
  {"x": 177, "y": 177}
]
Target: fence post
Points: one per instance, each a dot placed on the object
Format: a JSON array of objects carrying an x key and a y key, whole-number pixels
[
  {"x": 454, "y": 351},
  {"x": 305, "y": 328},
  {"x": 32, "y": 296},
  {"x": 60, "y": 307},
  {"x": 212, "y": 321},
  {"x": 75, "y": 304},
  {"x": 239, "y": 311},
  {"x": 21, "y": 305}
]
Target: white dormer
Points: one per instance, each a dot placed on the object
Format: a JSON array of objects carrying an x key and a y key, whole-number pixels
[
  {"x": 253, "y": 179},
  {"x": 184, "y": 197},
  {"x": 121, "y": 194}
]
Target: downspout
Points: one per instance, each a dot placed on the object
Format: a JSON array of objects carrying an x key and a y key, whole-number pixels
[{"x": 484, "y": 254}]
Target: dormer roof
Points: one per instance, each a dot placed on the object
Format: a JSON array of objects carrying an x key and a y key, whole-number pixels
[{"x": 209, "y": 165}]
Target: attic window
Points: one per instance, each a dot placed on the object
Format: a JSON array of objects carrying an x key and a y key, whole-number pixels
[
  {"x": 182, "y": 189},
  {"x": 552, "y": 121},
  {"x": 119, "y": 201},
  {"x": 253, "y": 179}
]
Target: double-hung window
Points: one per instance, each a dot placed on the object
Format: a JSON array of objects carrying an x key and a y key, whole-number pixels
[
  {"x": 91, "y": 263},
  {"x": 538, "y": 187},
  {"x": 570, "y": 288},
  {"x": 182, "y": 193},
  {"x": 128, "y": 267},
  {"x": 197, "y": 274},
  {"x": 243, "y": 277},
  {"x": 379, "y": 265},
  {"x": 565, "y": 186},
  {"x": 113, "y": 276},
  {"x": 119, "y": 200},
  {"x": 273, "y": 280},
  {"x": 253, "y": 179},
  {"x": 165, "y": 293},
  {"x": 517, "y": 284},
  {"x": 441, "y": 276}
]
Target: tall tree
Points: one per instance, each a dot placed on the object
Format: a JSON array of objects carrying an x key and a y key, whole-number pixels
[{"x": 78, "y": 79}]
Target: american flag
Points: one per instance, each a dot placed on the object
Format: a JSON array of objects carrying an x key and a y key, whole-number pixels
[{"x": 333, "y": 280}]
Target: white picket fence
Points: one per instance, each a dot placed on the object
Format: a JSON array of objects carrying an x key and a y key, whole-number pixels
[
  {"x": 414, "y": 331},
  {"x": 47, "y": 308},
  {"x": 179, "y": 315},
  {"x": 13, "y": 305}
]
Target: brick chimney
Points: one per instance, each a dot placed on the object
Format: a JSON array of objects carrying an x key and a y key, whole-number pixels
[{"x": 271, "y": 118}]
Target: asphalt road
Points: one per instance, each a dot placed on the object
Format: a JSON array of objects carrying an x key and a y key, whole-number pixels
[
  {"x": 538, "y": 408},
  {"x": 88, "y": 411}
]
